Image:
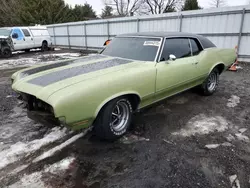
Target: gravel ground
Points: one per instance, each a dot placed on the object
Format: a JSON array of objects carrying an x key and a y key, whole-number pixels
[{"x": 185, "y": 141}]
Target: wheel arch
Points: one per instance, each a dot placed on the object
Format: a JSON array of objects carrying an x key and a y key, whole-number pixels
[
  {"x": 220, "y": 66},
  {"x": 45, "y": 41},
  {"x": 133, "y": 97}
]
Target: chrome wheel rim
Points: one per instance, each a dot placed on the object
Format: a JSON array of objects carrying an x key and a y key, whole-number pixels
[
  {"x": 212, "y": 81},
  {"x": 120, "y": 116}
]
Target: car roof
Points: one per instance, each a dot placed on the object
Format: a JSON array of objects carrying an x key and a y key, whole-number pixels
[
  {"x": 161, "y": 34},
  {"x": 206, "y": 43}
]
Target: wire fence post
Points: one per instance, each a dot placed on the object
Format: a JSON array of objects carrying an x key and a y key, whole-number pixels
[
  {"x": 85, "y": 35},
  {"x": 54, "y": 35},
  {"x": 68, "y": 36},
  {"x": 241, "y": 29},
  {"x": 108, "y": 32},
  {"x": 180, "y": 26},
  {"x": 138, "y": 25}
]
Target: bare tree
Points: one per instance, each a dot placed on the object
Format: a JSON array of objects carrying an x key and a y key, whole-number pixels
[
  {"x": 124, "y": 7},
  {"x": 218, "y": 3},
  {"x": 161, "y": 6}
]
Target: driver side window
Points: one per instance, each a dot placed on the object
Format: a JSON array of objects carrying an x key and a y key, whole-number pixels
[
  {"x": 180, "y": 47},
  {"x": 19, "y": 33}
]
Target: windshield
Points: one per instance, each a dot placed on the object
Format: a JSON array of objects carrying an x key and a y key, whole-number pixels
[
  {"x": 136, "y": 48},
  {"x": 4, "y": 32}
]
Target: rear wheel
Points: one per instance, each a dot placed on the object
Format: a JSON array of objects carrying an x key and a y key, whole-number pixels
[
  {"x": 114, "y": 119},
  {"x": 45, "y": 46},
  {"x": 211, "y": 83}
]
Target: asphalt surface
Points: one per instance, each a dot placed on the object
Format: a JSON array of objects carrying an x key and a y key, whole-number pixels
[{"x": 186, "y": 141}]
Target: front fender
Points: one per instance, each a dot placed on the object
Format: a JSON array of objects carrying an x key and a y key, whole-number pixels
[{"x": 85, "y": 99}]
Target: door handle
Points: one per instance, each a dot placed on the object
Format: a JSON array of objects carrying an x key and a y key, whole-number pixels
[
  {"x": 195, "y": 63},
  {"x": 31, "y": 38}
]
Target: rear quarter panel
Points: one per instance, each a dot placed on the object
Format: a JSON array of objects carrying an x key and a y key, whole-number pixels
[
  {"x": 228, "y": 56},
  {"x": 40, "y": 36},
  {"x": 211, "y": 57}
]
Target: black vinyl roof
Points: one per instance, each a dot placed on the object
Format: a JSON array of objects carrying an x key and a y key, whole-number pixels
[
  {"x": 204, "y": 41},
  {"x": 161, "y": 34}
]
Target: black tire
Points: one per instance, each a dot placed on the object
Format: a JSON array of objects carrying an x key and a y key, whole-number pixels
[
  {"x": 210, "y": 85},
  {"x": 27, "y": 50},
  {"x": 105, "y": 124},
  {"x": 6, "y": 53},
  {"x": 45, "y": 46}
]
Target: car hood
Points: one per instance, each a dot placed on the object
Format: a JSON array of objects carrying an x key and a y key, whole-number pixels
[
  {"x": 43, "y": 81},
  {"x": 3, "y": 37}
]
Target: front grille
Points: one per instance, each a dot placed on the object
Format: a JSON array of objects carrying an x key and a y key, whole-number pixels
[
  {"x": 34, "y": 104},
  {"x": 39, "y": 110}
]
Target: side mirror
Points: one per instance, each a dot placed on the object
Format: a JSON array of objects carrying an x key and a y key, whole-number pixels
[
  {"x": 14, "y": 35},
  {"x": 172, "y": 57}
]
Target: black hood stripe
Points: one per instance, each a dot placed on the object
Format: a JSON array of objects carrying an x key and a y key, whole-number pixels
[
  {"x": 60, "y": 64},
  {"x": 54, "y": 77}
]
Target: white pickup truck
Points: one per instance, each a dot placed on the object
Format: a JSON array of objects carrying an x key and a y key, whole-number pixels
[{"x": 23, "y": 38}]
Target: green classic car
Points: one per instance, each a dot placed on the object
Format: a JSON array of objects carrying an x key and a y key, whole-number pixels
[{"x": 133, "y": 71}]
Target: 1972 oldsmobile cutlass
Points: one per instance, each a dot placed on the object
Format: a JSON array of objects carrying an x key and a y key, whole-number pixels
[{"x": 132, "y": 72}]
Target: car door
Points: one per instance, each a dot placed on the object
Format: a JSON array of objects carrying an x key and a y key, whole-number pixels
[
  {"x": 28, "y": 39},
  {"x": 18, "y": 40},
  {"x": 175, "y": 75}
]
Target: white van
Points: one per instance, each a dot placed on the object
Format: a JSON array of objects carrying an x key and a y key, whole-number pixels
[{"x": 26, "y": 38}]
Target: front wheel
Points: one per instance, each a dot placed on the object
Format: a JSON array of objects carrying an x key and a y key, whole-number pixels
[
  {"x": 210, "y": 85},
  {"x": 114, "y": 119},
  {"x": 6, "y": 53}
]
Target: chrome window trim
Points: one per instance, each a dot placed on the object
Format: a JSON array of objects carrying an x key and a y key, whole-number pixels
[
  {"x": 199, "y": 42},
  {"x": 146, "y": 36},
  {"x": 191, "y": 48},
  {"x": 159, "y": 58},
  {"x": 196, "y": 44},
  {"x": 158, "y": 51},
  {"x": 162, "y": 42},
  {"x": 187, "y": 37}
]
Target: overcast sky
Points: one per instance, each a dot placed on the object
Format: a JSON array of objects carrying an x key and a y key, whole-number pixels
[{"x": 98, "y": 4}]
